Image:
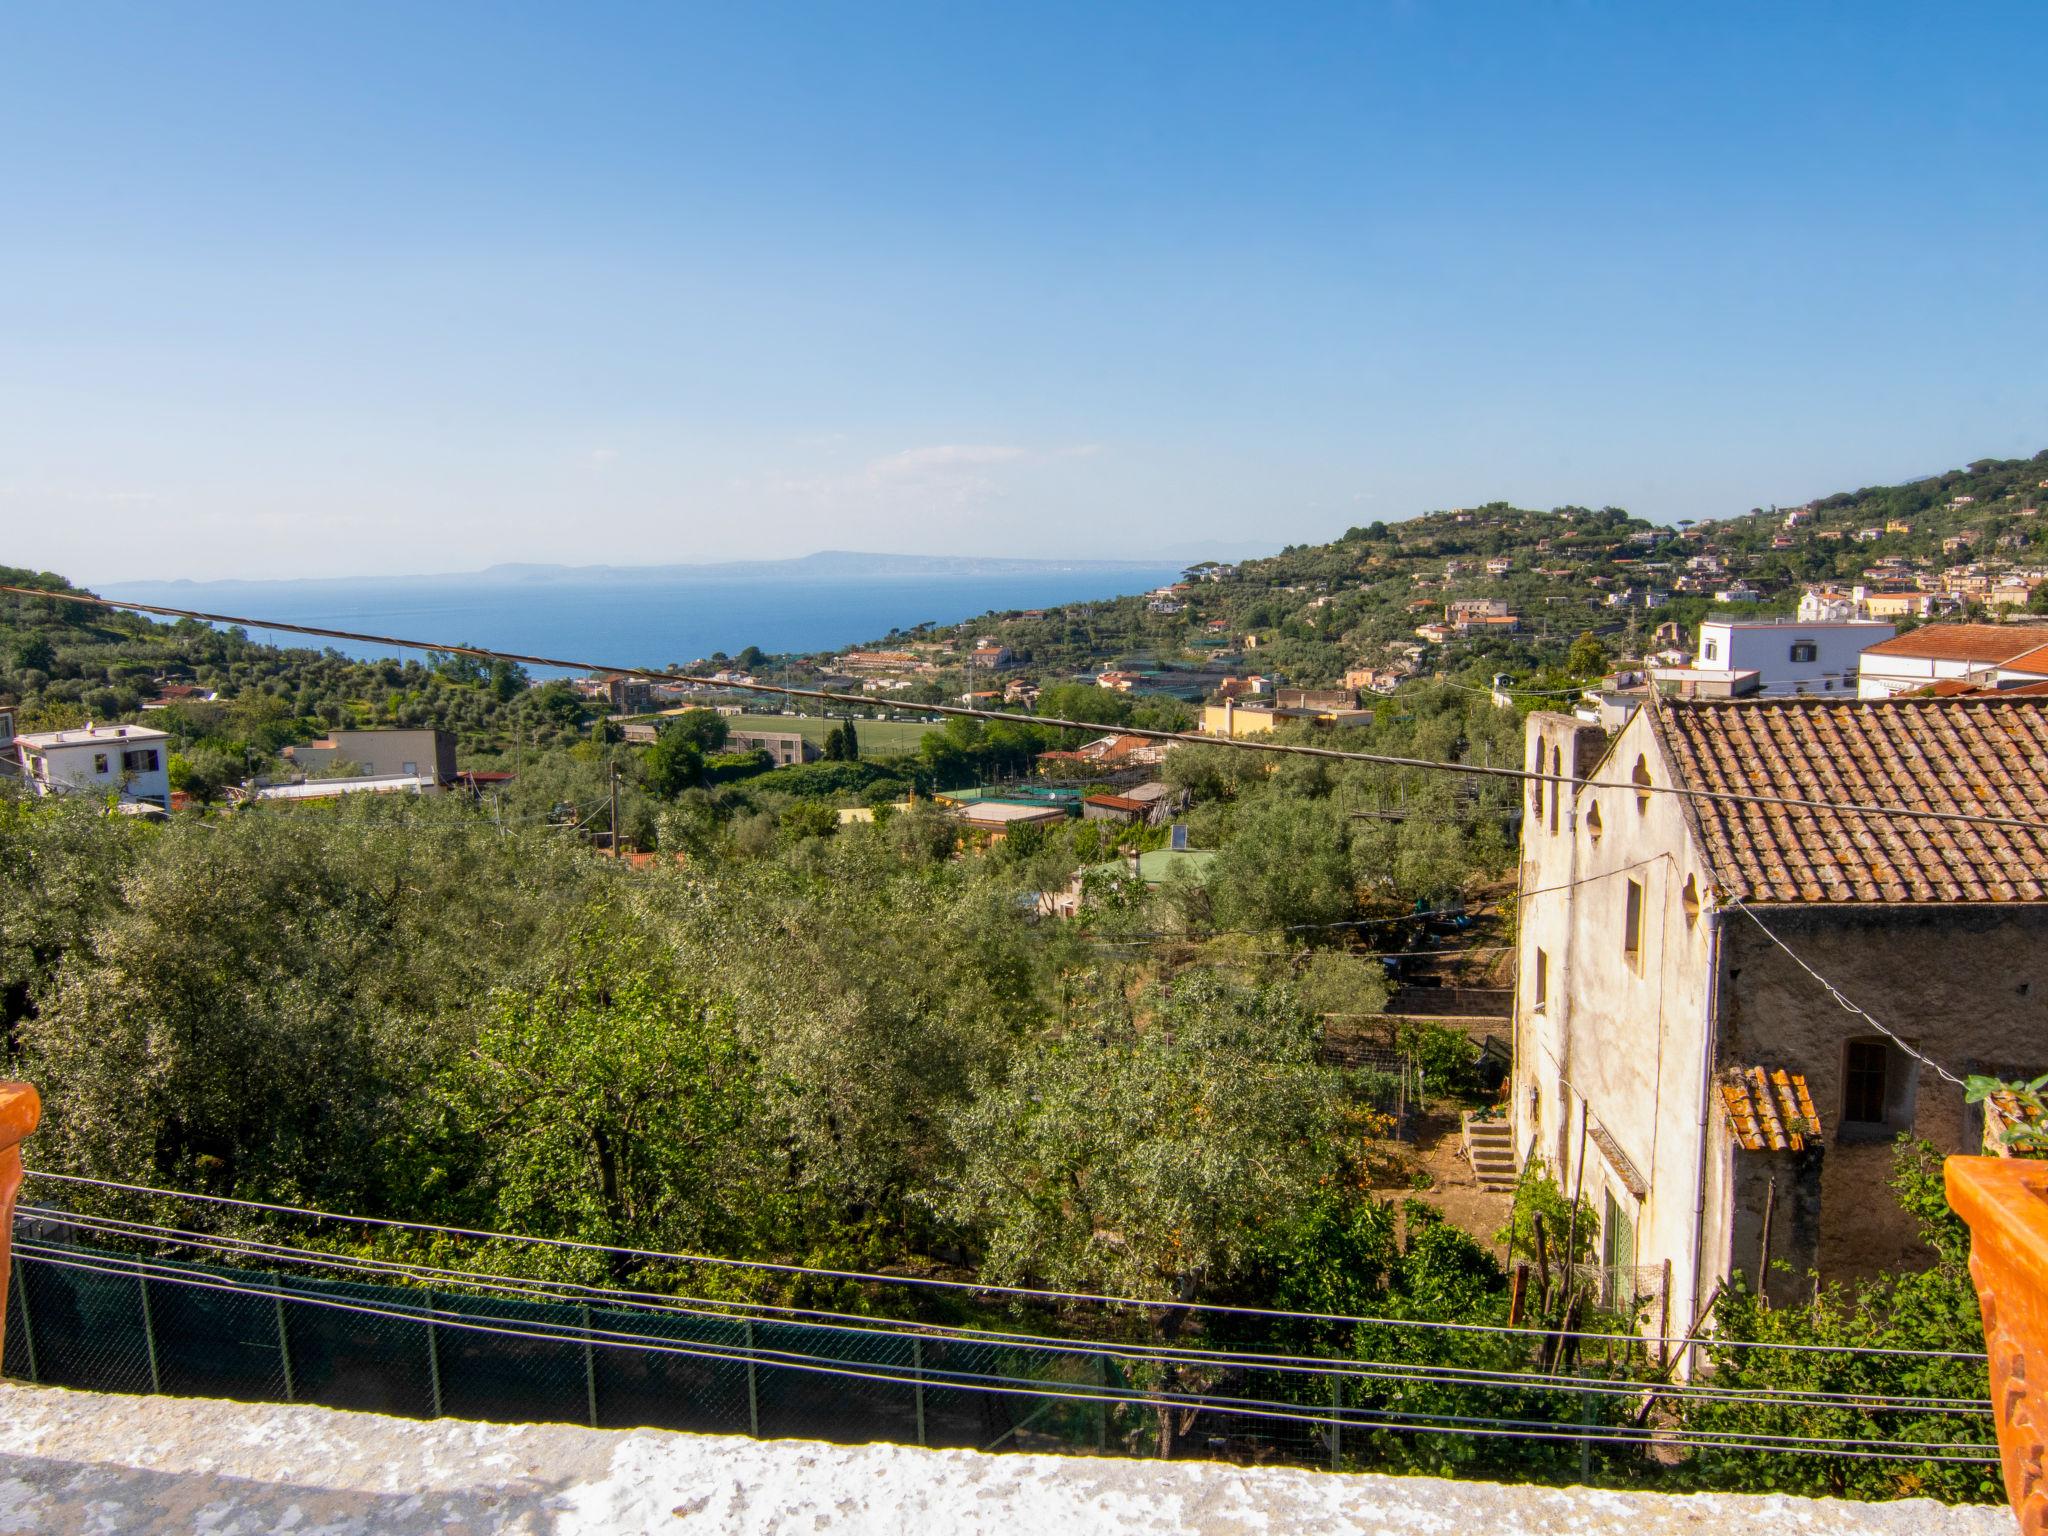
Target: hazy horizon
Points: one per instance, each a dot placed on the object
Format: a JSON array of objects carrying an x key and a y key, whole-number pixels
[
  {"x": 401, "y": 289},
  {"x": 940, "y": 567}
]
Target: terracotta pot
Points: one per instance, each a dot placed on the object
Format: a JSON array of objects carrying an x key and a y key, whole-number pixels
[
  {"x": 20, "y": 1109},
  {"x": 2005, "y": 1202}
]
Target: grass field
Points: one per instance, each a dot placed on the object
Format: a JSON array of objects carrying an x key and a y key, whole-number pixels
[{"x": 882, "y": 738}]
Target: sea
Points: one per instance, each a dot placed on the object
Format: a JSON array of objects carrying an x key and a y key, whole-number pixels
[{"x": 642, "y": 624}]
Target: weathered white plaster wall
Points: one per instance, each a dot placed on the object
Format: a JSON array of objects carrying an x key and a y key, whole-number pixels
[
  {"x": 1627, "y": 1043},
  {"x": 135, "y": 1466}
]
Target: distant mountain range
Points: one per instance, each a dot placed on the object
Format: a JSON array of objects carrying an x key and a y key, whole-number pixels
[{"x": 825, "y": 565}]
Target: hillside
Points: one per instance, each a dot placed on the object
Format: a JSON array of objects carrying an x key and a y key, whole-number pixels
[
  {"x": 1308, "y": 616},
  {"x": 1312, "y": 613}
]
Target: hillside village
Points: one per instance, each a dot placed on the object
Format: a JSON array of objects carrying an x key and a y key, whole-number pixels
[
  {"x": 962, "y": 770},
  {"x": 1381, "y": 1025}
]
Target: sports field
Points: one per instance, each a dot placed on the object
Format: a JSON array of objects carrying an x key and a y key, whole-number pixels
[{"x": 882, "y": 738}]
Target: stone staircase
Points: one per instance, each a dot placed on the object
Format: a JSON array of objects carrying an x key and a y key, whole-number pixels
[{"x": 1490, "y": 1149}]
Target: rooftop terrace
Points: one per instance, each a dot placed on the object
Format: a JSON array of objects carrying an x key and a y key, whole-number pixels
[{"x": 75, "y": 1461}]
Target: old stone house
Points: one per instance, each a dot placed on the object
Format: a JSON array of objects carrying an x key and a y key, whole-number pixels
[{"x": 1676, "y": 1058}]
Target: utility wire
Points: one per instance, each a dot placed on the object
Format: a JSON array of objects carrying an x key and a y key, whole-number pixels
[
  {"x": 1409, "y": 917},
  {"x": 972, "y": 1286},
  {"x": 1296, "y": 749},
  {"x": 1841, "y": 998},
  {"x": 436, "y": 1317},
  {"x": 547, "y": 1290},
  {"x": 1519, "y": 693}
]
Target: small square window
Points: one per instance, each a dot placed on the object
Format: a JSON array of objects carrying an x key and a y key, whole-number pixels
[
  {"x": 1804, "y": 650},
  {"x": 99, "y": 762}
]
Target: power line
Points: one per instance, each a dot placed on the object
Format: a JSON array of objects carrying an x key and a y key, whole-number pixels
[
  {"x": 1841, "y": 998},
  {"x": 1140, "y": 941},
  {"x": 1398, "y": 1371},
  {"x": 1519, "y": 693},
  {"x": 1354, "y": 922},
  {"x": 586, "y": 1336},
  {"x": 934, "y": 1282},
  {"x": 1297, "y": 749}
]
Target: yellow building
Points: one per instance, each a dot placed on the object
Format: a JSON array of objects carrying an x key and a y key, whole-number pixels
[
  {"x": 1239, "y": 721},
  {"x": 1236, "y": 721}
]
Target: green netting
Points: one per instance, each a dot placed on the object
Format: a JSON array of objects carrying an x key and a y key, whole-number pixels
[
  {"x": 645, "y": 1387},
  {"x": 91, "y": 1318},
  {"x": 86, "y": 1317}
]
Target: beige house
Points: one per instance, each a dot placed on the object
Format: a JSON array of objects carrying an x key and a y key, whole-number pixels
[
  {"x": 426, "y": 753},
  {"x": 1675, "y": 1057},
  {"x": 785, "y": 748}
]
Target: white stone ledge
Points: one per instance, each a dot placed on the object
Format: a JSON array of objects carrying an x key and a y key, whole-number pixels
[{"x": 98, "y": 1465}]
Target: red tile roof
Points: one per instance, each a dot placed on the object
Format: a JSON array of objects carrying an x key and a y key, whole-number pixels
[
  {"x": 1984, "y": 755},
  {"x": 1124, "y": 746},
  {"x": 1956, "y": 688},
  {"x": 1768, "y": 1111},
  {"x": 1118, "y": 803},
  {"x": 1988, "y": 643}
]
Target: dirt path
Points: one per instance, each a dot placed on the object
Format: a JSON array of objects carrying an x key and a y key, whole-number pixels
[{"x": 1453, "y": 1190}]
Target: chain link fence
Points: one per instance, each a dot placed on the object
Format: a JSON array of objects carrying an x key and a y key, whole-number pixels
[{"x": 98, "y": 1320}]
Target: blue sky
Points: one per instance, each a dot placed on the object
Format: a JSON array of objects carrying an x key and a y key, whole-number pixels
[{"x": 294, "y": 290}]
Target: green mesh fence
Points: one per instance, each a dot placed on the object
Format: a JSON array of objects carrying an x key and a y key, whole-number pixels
[
  {"x": 103, "y": 1321},
  {"x": 100, "y": 1320}
]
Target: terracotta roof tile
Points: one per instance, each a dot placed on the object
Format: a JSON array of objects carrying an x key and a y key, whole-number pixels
[
  {"x": 1768, "y": 1111},
  {"x": 1965, "y": 642},
  {"x": 1956, "y": 687},
  {"x": 1985, "y": 755}
]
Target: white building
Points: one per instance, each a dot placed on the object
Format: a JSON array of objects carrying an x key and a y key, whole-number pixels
[
  {"x": 1676, "y": 1064},
  {"x": 1993, "y": 655},
  {"x": 1789, "y": 655},
  {"x": 1829, "y": 605},
  {"x": 131, "y": 761},
  {"x": 355, "y": 784}
]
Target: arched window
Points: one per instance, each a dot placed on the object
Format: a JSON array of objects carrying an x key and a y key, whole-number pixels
[
  {"x": 1593, "y": 827},
  {"x": 1640, "y": 777},
  {"x": 1689, "y": 900},
  {"x": 1556, "y": 789},
  {"x": 1536, "y": 785}
]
